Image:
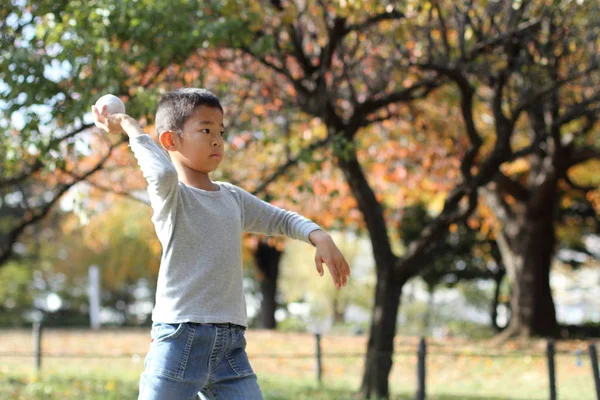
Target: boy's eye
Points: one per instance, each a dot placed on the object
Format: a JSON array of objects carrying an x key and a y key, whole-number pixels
[
  {"x": 222, "y": 133},
  {"x": 205, "y": 130}
]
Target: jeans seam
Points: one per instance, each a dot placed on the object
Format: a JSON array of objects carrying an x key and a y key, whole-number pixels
[
  {"x": 186, "y": 354},
  {"x": 212, "y": 358},
  {"x": 211, "y": 395},
  {"x": 232, "y": 362}
]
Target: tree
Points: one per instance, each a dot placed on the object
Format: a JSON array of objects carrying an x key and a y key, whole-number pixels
[
  {"x": 320, "y": 52},
  {"x": 51, "y": 73},
  {"x": 562, "y": 58},
  {"x": 359, "y": 68},
  {"x": 133, "y": 63},
  {"x": 466, "y": 254}
]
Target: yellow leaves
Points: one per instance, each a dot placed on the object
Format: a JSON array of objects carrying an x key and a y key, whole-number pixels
[
  {"x": 436, "y": 203},
  {"x": 428, "y": 185},
  {"x": 566, "y": 202},
  {"x": 289, "y": 15},
  {"x": 518, "y": 166},
  {"x": 586, "y": 173}
]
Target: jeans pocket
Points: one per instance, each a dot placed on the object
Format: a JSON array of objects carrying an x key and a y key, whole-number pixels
[
  {"x": 170, "y": 350},
  {"x": 162, "y": 332},
  {"x": 236, "y": 354}
]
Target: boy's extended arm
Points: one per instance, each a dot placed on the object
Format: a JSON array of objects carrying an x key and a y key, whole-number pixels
[
  {"x": 262, "y": 217},
  {"x": 156, "y": 167}
]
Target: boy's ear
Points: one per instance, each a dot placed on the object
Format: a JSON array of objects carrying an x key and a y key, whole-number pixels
[{"x": 167, "y": 140}]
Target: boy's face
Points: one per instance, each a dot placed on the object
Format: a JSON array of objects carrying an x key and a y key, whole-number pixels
[{"x": 200, "y": 146}]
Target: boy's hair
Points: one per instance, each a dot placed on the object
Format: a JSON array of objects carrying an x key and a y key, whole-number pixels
[{"x": 175, "y": 107}]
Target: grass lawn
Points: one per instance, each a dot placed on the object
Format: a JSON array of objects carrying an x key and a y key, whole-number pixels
[
  {"x": 55, "y": 388},
  {"x": 80, "y": 364}
]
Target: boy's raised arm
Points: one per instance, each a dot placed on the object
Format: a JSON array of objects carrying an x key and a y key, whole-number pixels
[
  {"x": 156, "y": 167},
  {"x": 116, "y": 123}
]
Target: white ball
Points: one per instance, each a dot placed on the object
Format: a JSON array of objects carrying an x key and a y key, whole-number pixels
[{"x": 114, "y": 105}]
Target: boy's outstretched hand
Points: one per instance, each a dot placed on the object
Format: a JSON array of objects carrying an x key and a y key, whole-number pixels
[{"x": 328, "y": 253}]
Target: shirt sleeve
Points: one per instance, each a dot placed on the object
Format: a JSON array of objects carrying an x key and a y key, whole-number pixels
[
  {"x": 262, "y": 217},
  {"x": 157, "y": 169}
]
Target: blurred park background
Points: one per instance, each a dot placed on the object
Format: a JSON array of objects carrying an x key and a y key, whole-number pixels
[{"x": 450, "y": 147}]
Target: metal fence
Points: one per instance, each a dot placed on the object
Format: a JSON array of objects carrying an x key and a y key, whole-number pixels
[{"x": 421, "y": 352}]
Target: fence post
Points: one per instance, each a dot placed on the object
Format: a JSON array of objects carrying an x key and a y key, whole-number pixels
[
  {"x": 594, "y": 360},
  {"x": 37, "y": 345},
  {"x": 551, "y": 370},
  {"x": 421, "y": 369},
  {"x": 319, "y": 364}
]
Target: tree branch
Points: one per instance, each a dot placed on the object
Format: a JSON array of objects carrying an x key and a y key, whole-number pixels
[
  {"x": 555, "y": 85},
  {"x": 290, "y": 163},
  {"x": 13, "y": 180},
  {"x": 581, "y": 155},
  {"x": 512, "y": 187},
  {"x": 443, "y": 28},
  {"x": 374, "y": 19},
  {"x": 6, "y": 250},
  {"x": 419, "y": 90},
  {"x": 466, "y": 105},
  {"x": 296, "y": 35},
  {"x": 38, "y": 165}
]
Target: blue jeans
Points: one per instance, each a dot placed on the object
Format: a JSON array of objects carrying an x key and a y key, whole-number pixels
[{"x": 189, "y": 360}]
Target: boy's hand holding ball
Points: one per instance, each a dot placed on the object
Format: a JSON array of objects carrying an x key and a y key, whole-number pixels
[{"x": 109, "y": 113}]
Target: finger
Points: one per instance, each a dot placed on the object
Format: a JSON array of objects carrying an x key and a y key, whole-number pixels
[
  {"x": 345, "y": 269},
  {"x": 97, "y": 116},
  {"x": 335, "y": 274},
  {"x": 339, "y": 268},
  {"x": 104, "y": 110},
  {"x": 319, "y": 264},
  {"x": 342, "y": 273},
  {"x": 101, "y": 126}
]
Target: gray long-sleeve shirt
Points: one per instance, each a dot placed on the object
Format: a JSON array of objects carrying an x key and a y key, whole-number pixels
[{"x": 200, "y": 275}]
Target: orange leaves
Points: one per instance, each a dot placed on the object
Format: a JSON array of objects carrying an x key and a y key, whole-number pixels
[
  {"x": 473, "y": 223},
  {"x": 259, "y": 110},
  {"x": 485, "y": 219}
]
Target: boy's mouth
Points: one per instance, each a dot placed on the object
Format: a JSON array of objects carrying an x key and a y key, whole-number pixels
[{"x": 216, "y": 155}]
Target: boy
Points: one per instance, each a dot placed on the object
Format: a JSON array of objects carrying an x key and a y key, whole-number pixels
[{"x": 199, "y": 318}]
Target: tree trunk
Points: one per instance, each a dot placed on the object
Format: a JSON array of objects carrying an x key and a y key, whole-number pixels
[
  {"x": 498, "y": 277},
  {"x": 338, "y": 309},
  {"x": 380, "y": 347},
  {"x": 427, "y": 315},
  {"x": 527, "y": 246},
  {"x": 378, "y": 361},
  {"x": 533, "y": 312},
  {"x": 267, "y": 259}
]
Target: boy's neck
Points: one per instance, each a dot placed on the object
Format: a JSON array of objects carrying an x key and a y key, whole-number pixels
[{"x": 195, "y": 179}]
